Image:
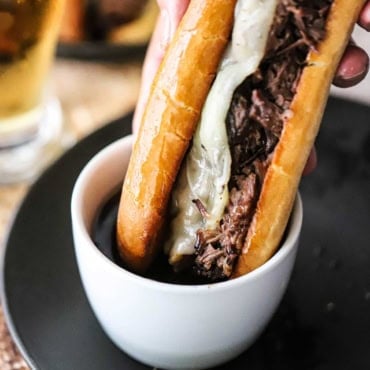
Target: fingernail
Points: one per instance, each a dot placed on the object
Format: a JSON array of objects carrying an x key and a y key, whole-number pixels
[
  {"x": 343, "y": 81},
  {"x": 353, "y": 68}
]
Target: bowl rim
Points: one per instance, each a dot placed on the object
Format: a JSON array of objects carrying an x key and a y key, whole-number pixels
[{"x": 79, "y": 227}]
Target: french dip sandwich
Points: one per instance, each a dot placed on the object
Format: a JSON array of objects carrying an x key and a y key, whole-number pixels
[{"x": 232, "y": 116}]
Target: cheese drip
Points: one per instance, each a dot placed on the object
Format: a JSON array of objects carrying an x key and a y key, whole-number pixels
[{"x": 206, "y": 172}]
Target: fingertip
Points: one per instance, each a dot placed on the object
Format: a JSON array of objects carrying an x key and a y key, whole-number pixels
[
  {"x": 352, "y": 68},
  {"x": 364, "y": 19}
]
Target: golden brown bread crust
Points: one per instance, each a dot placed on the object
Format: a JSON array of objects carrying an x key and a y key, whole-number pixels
[
  {"x": 291, "y": 154},
  {"x": 169, "y": 121},
  {"x": 72, "y": 28}
]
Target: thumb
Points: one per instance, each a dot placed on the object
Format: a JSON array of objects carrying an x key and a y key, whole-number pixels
[
  {"x": 175, "y": 10},
  {"x": 171, "y": 12}
]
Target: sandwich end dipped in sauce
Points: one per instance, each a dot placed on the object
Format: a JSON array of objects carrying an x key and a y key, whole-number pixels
[{"x": 233, "y": 113}]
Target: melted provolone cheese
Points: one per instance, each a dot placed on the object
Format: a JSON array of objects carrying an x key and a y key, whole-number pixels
[{"x": 206, "y": 172}]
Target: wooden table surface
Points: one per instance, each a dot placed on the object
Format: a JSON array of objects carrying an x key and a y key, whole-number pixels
[{"x": 93, "y": 94}]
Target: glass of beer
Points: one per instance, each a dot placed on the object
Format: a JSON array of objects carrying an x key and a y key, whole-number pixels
[{"x": 30, "y": 118}]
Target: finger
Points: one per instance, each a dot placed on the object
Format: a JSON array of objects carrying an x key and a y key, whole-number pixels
[
  {"x": 311, "y": 163},
  {"x": 352, "y": 68},
  {"x": 171, "y": 13},
  {"x": 364, "y": 19},
  {"x": 175, "y": 9},
  {"x": 153, "y": 58}
]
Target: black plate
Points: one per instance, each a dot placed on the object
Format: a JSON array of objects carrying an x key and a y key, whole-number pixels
[
  {"x": 101, "y": 51},
  {"x": 322, "y": 323}
]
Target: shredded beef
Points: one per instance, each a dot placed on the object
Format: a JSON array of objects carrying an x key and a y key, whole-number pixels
[
  {"x": 254, "y": 124},
  {"x": 212, "y": 260}
]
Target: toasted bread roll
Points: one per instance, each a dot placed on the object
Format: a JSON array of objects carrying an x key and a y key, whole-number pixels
[
  {"x": 286, "y": 127},
  {"x": 172, "y": 113}
]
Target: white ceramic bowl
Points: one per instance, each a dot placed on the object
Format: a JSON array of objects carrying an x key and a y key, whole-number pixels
[{"x": 167, "y": 325}]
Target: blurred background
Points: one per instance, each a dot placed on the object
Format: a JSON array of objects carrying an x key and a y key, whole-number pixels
[
  {"x": 100, "y": 52},
  {"x": 96, "y": 76}
]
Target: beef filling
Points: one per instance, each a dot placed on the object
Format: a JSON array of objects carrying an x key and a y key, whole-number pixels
[{"x": 254, "y": 123}]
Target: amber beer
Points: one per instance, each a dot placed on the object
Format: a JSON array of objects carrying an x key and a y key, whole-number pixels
[{"x": 28, "y": 32}]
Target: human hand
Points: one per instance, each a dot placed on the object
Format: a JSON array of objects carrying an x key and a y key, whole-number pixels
[
  {"x": 171, "y": 12},
  {"x": 352, "y": 68}
]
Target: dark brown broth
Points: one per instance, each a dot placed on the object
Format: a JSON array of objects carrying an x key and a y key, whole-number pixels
[{"x": 104, "y": 237}]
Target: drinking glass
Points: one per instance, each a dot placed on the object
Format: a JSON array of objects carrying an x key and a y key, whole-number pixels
[{"x": 30, "y": 117}]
